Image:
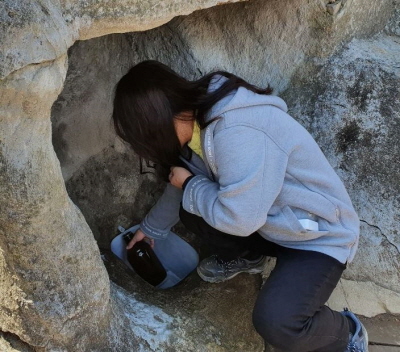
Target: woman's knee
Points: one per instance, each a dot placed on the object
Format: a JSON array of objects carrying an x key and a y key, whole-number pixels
[{"x": 281, "y": 330}]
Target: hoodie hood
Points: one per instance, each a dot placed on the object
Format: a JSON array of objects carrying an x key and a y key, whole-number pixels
[{"x": 240, "y": 98}]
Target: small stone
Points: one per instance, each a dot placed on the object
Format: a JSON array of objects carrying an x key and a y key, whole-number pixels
[{"x": 334, "y": 8}]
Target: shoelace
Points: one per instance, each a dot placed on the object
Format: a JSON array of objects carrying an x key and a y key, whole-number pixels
[
  {"x": 351, "y": 347},
  {"x": 227, "y": 265}
]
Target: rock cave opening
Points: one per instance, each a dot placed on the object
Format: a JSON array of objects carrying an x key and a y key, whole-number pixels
[{"x": 103, "y": 176}]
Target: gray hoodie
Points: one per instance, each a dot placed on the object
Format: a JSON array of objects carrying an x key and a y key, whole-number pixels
[{"x": 263, "y": 172}]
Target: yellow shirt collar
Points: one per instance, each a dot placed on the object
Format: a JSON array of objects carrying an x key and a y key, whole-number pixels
[{"x": 195, "y": 142}]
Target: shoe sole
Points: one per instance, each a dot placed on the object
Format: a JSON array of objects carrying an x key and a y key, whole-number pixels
[
  {"x": 364, "y": 330},
  {"x": 215, "y": 280}
]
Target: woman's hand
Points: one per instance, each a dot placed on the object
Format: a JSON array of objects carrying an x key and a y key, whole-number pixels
[
  {"x": 178, "y": 176},
  {"x": 139, "y": 236}
]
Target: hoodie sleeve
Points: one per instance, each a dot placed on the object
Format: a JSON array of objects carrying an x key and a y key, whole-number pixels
[
  {"x": 164, "y": 214},
  {"x": 250, "y": 174}
]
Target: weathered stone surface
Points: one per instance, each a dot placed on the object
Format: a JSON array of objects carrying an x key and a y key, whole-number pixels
[
  {"x": 82, "y": 127},
  {"x": 393, "y": 26},
  {"x": 123, "y": 197},
  {"x": 364, "y": 297},
  {"x": 194, "y": 316},
  {"x": 351, "y": 105},
  {"x": 51, "y": 274},
  {"x": 267, "y": 41},
  {"x": 31, "y": 32},
  {"x": 384, "y": 329},
  {"x": 38, "y": 31}
]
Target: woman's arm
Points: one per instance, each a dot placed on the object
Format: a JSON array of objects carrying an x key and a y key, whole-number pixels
[
  {"x": 250, "y": 173},
  {"x": 164, "y": 214}
]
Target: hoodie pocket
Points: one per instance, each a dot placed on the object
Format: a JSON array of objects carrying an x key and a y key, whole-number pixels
[
  {"x": 292, "y": 220},
  {"x": 285, "y": 227}
]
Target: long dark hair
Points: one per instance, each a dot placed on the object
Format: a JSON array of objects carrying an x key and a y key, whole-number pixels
[{"x": 151, "y": 95}]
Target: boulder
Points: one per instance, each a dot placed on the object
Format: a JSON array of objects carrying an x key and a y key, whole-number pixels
[
  {"x": 51, "y": 273},
  {"x": 350, "y": 103}
]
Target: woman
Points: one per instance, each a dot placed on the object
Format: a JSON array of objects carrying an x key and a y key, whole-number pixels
[{"x": 258, "y": 186}]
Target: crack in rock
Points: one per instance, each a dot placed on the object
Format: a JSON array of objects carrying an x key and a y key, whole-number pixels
[
  {"x": 15, "y": 342},
  {"x": 381, "y": 232}
]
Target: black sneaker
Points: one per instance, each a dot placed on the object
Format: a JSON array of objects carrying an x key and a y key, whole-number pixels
[
  {"x": 214, "y": 269},
  {"x": 359, "y": 341}
]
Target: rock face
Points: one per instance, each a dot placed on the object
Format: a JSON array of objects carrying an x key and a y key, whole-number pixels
[
  {"x": 38, "y": 31},
  {"x": 351, "y": 105},
  {"x": 55, "y": 294},
  {"x": 43, "y": 235}
]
